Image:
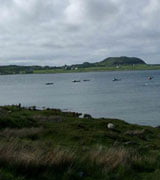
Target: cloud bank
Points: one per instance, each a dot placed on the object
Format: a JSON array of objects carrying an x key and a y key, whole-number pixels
[{"x": 54, "y": 32}]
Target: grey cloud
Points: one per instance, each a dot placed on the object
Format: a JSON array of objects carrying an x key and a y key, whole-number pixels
[
  {"x": 72, "y": 31},
  {"x": 78, "y": 12},
  {"x": 100, "y": 10}
]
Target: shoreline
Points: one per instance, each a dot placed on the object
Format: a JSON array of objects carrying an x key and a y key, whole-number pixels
[
  {"x": 80, "y": 72},
  {"x": 83, "y": 70}
]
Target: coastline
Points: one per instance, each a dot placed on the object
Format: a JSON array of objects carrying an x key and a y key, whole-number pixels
[
  {"x": 102, "y": 69},
  {"x": 91, "y": 69}
]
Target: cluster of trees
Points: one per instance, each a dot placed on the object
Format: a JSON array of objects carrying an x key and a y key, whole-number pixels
[{"x": 13, "y": 69}]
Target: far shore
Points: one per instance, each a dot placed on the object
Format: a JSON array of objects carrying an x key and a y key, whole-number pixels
[
  {"x": 101, "y": 69},
  {"x": 10, "y": 70}
]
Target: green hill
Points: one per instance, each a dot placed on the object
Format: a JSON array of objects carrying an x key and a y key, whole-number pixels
[{"x": 112, "y": 61}]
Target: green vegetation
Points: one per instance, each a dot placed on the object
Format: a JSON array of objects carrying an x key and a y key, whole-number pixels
[
  {"x": 108, "y": 64},
  {"x": 50, "y": 144},
  {"x": 107, "y": 68}
]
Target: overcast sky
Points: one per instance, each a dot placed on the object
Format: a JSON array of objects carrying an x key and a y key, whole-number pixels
[{"x": 58, "y": 32}]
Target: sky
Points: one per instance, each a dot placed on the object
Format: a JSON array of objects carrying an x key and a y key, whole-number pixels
[{"x": 58, "y": 32}]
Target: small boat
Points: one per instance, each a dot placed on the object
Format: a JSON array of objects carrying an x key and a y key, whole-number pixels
[
  {"x": 150, "y": 78},
  {"x": 49, "y": 83},
  {"x": 115, "y": 79},
  {"x": 75, "y": 81}
]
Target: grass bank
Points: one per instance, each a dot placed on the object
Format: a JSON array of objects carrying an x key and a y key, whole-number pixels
[
  {"x": 50, "y": 144},
  {"x": 95, "y": 69}
]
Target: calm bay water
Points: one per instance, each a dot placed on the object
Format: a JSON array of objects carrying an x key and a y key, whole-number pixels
[{"x": 134, "y": 99}]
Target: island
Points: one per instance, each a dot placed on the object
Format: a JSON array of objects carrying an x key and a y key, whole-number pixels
[
  {"x": 108, "y": 64},
  {"x": 50, "y": 144}
]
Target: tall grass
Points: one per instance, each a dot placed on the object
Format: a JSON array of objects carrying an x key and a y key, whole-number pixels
[
  {"x": 111, "y": 158},
  {"x": 99, "y": 161},
  {"x": 23, "y": 132},
  {"x": 21, "y": 153}
]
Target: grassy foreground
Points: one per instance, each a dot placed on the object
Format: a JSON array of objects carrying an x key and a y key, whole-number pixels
[{"x": 52, "y": 145}]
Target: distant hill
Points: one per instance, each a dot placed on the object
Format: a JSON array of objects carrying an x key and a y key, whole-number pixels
[{"x": 112, "y": 61}]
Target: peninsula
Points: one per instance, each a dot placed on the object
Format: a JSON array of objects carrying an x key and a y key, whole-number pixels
[{"x": 108, "y": 64}]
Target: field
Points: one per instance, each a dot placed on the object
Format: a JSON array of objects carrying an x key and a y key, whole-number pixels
[
  {"x": 13, "y": 69},
  {"x": 94, "y": 69},
  {"x": 50, "y": 144}
]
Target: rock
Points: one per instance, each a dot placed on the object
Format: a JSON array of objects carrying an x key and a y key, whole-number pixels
[
  {"x": 110, "y": 126},
  {"x": 87, "y": 116}
]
